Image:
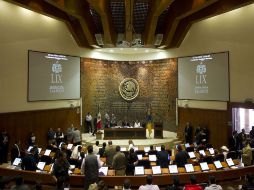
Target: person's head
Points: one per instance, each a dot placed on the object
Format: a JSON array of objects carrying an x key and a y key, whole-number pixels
[
  {"x": 118, "y": 148},
  {"x": 131, "y": 151},
  {"x": 212, "y": 179},
  {"x": 58, "y": 129},
  {"x": 243, "y": 130},
  {"x": 126, "y": 184},
  {"x": 151, "y": 147},
  {"x": 252, "y": 127},
  {"x": 193, "y": 179},
  {"x": 130, "y": 141},
  {"x": 149, "y": 179},
  {"x": 175, "y": 181},
  {"x": 179, "y": 147},
  {"x": 101, "y": 185},
  {"x": 162, "y": 148},
  {"x": 110, "y": 143},
  {"x": 234, "y": 133},
  {"x": 90, "y": 149},
  {"x": 97, "y": 143},
  {"x": 79, "y": 148},
  {"x": 104, "y": 145}
]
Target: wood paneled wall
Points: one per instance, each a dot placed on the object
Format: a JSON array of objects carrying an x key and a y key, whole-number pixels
[
  {"x": 214, "y": 120},
  {"x": 19, "y": 125}
]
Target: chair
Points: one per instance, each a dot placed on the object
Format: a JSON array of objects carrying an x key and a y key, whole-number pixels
[
  {"x": 208, "y": 159},
  {"x": 151, "y": 152},
  {"x": 232, "y": 155},
  {"x": 142, "y": 152},
  {"x": 190, "y": 149},
  {"x": 219, "y": 157},
  {"x": 145, "y": 163}
]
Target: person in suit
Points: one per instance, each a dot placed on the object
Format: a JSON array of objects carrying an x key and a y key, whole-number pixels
[
  {"x": 181, "y": 157},
  {"x": 76, "y": 137},
  {"x": 102, "y": 149},
  {"x": 162, "y": 157},
  {"x": 252, "y": 133},
  {"x": 247, "y": 154},
  {"x": 132, "y": 161},
  {"x": 233, "y": 141},
  {"x": 29, "y": 162},
  {"x": 188, "y": 133},
  {"x": 242, "y": 138},
  {"x": 4, "y": 144},
  {"x": 109, "y": 153},
  {"x": 119, "y": 162},
  {"x": 90, "y": 167},
  {"x": 15, "y": 151}
]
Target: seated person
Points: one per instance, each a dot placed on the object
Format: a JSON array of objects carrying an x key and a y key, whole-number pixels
[
  {"x": 163, "y": 158},
  {"x": 249, "y": 184},
  {"x": 175, "y": 185},
  {"x": 96, "y": 147},
  {"x": 149, "y": 185},
  {"x": 76, "y": 153},
  {"x": 193, "y": 185},
  {"x": 127, "y": 184},
  {"x": 137, "y": 124}
]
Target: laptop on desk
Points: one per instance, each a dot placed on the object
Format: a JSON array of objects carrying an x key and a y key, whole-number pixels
[
  {"x": 103, "y": 171},
  {"x": 189, "y": 168},
  {"x": 218, "y": 164},
  {"x": 139, "y": 170},
  {"x": 204, "y": 166},
  {"x": 156, "y": 170},
  {"x": 173, "y": 169},
  {"x": 191, "y": 155},
  {"x": 230, "y": 162}
]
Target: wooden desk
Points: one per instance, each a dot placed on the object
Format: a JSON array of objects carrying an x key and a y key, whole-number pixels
[{"x": 124, "y": 133}]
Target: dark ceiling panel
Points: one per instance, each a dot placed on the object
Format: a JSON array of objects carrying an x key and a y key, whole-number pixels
[
  {"x": 139, "y": 16},
  {"x": 118, "y": 15}
]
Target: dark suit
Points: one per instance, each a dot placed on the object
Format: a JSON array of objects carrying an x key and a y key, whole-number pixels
[
  {"x": 29, "y": 163},
  {"x": 162, "y": 159},
  {"x": 188, "y": 134},
  {"x": 15, "y": 152},
  {"x": 181, "y": 158}
]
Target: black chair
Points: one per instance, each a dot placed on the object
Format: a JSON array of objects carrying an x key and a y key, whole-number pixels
[
  {"x": 232, "y": 155},
  {"x": 46, "y": 159},
  {"x": 208, "y": 159},
  {"x": 219, "y": 157},
  {"x": 151, "y": 152},
  {"x": 190, "y": 149},
  {"x": 145, "y": 163}
]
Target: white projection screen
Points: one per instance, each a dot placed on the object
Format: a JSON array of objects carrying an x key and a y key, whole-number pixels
[
  {"x": 204, "y": 77},
  {"x": 53, "y": 76}
]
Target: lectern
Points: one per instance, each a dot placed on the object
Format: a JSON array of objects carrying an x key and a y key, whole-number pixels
[{"x": 158, "y": 130}]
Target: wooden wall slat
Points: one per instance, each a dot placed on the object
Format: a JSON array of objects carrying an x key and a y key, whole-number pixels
[
  {"x": 20, "y": 124},
  {"x": 214, "y": 120}
]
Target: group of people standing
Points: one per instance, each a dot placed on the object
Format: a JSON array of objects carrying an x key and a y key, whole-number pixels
[{"x": 200, "y": 135}]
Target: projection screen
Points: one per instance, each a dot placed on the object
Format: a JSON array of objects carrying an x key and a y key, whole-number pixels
[
  {"x": 204, "y": 77},
  {"x": 53, "y": 76}
]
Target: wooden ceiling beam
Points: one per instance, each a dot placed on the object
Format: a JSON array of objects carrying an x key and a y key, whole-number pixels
[
  {"x": 180, "y": 10},
  {"x": 102, "y": 8},
  {"x": 80, "y": 10},
  {"x": 129, "y": 4},
  {"x": 219, "y": 7},
  {"x": 157, "y": 7}
]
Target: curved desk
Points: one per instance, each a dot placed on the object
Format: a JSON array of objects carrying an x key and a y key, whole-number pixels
[
  {"x": 124, "y": 133},
  {"x": 164, "y": 179}
]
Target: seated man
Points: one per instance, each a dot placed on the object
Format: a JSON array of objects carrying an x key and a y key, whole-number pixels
[
  {"x": 181, "y": 157},
  {"x": 29, "y": 162},
  {"x": 149, "y": 185}
]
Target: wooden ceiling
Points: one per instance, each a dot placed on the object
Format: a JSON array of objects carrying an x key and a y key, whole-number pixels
[{"x": 124, "y": 20}]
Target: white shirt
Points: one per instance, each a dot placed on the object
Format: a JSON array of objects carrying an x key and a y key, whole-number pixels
[
  {"x": 89, "y": 118},
  {"x": 95, "y": 149},
  {"x": 214, "y": 187},
  {"x": 149, "y": 187}
]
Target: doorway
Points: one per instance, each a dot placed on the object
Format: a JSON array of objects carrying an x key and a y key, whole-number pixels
[{"x": 242, "y": 118}]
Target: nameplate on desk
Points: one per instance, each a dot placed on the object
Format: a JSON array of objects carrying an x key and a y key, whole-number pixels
[
  {"x": 202, "y": 152},
  {"x": 103, "y": 171},
  {"x": 152, "y": 158},
  {"x": 172, "y": 169},
  {"x": 230, "y": 162},
  {"x": 211, "y": 151},
  {"x": 146, "y": 149},
  {"x": 204, "y": 166},
  {"x": 156, "y": 169},
  {"x": 41, "y": 165},
  {"x": 47, "y": 152},
  {"x": 139, "y": 170},
  {"x": 189, "y": 168},
  {"x": 140, "y": 156},
  {"x": 191, "y": 155},
  {"x": 218, "y": 164},
  {"x": 16, "y": 162},
  {"x": 69, "y": 146}
]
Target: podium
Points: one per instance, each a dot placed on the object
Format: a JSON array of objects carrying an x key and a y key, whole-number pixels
[{"x": 158, "y": 130}]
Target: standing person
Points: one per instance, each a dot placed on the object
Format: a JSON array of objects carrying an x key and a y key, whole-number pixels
[
  {"x": 109, "y": 153},
  {"x": 119, "y": 162},
  {"x": 132, "y": 160},
  {"x": 98, "y": 124},
  {"x": 163, "y": 157},
  {"x": 15, "y": 151},
  {"x": 113, "y": 120},
  {"x": 51, "y": 136},
  {"x": 31, "y": 139},
  {"x": 131, "y": 144},
  {"x": 94, "y": 125},
  {"x": 252, "y": 133},
  {"x": 60, "y": 170},
  {"x": 4, "y": 144},
  {"x": 59, "y": 136},
  {"x": 29, "y": 161},
  {"x": 181, "y": 156},
  {"x": 247, "y": 154},
  {"x": 149, "y": 124},
  {"x": 90, "y": 167},
  {"x": 102, "y": 149},
  {"x": 107, "y": 120},
  {"x": 149, "y": 184},
  {"x": 89, "y": 119},
  {"x": 76, "y": 137},
  {"x": 188, "y": 133}
]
